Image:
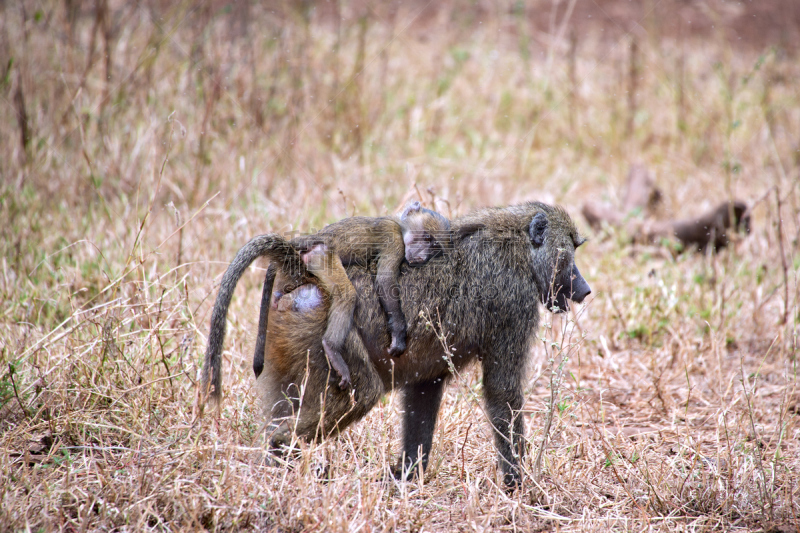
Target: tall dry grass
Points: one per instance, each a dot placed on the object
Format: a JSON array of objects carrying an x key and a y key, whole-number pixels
[{"x": 143, "y": 143}]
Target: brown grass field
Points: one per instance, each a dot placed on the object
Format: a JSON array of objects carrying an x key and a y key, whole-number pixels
[{"x": 142, "y": 143}]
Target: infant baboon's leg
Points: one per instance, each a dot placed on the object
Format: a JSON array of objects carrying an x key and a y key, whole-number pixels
[
  {"x": 326, "y": 410},
  {"x": 338, "y": 364}
]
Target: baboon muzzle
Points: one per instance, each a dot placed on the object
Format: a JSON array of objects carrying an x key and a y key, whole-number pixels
[
  {"x": 580, "y": 289},
  {"x": 571, "y": 286}
]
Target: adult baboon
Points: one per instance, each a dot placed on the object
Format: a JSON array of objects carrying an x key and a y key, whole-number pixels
[{"x": 484, "y": 293}]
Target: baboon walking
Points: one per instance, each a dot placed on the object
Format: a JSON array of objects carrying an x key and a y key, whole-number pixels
[{"x": 484, "y": 293}]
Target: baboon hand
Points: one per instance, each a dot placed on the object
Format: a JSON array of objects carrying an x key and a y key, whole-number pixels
[{"x": 338, "y": 365}]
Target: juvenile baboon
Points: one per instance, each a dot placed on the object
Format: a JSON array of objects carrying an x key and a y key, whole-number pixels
[
  {"x": 417, "y": 235},
  {"x": 483, "y": 293}
]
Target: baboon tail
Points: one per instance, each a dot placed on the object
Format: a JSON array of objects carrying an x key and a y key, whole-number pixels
[{"x": 278, "y": 250}]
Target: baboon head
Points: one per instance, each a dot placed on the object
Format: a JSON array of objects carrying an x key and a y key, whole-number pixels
[
  {"x": 426, "y": 233},
  {"x": 554, "y": 239}
]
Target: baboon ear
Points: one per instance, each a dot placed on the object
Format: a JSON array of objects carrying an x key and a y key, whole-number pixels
[
  {"x": 413, "y": 207},
  {"x": 537, "y": 229}
]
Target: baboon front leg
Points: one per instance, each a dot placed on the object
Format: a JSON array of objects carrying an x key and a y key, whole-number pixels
[
  {"x": 502, "y": 385},
  {"x": 389, "y": 297},
  {"x": 421, "y": 403},
  {"x": 263, "y": 318}
]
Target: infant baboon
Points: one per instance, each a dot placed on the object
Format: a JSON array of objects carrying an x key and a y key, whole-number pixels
[
  {"x": 417, "y": 235},
  {"x": 483, "y": 294}
]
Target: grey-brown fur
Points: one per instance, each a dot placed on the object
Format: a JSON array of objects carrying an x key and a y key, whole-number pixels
[
  {"x": 485, "y": 293},
  {"x": 296, "y": 344},
  {"x": 712, "y": 227}
]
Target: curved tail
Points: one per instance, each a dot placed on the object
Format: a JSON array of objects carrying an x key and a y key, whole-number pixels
[{"x": 280, "y": 251}]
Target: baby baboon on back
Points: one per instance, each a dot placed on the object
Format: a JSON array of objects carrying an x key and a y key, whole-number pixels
[{"x": 417, "y": 235}]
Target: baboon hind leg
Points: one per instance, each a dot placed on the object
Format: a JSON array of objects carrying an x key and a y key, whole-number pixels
[
  {"x": 421, "y": 403},
  {"x": 326, "y": 265}
]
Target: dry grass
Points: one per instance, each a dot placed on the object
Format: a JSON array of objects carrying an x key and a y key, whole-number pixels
[{"x": 158, "y": 138}]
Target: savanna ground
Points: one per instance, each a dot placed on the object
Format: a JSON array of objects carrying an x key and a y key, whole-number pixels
[{"x": 141, "y": 143}]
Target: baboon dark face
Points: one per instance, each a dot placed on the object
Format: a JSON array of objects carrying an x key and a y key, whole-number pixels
[{"x": 557, "y": 276}]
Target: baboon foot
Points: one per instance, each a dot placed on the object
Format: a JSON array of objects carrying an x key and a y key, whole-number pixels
[
  {"x": 338, "y": 365},
  {"x": 512, "y": 480},
  {"x": 314, "y": 257},
  {"x": 280, "y": 439},
  {"x": 405, "y": 470},
  {"x": 345, "y": 383},
  {"x": 342, "y": 382}
]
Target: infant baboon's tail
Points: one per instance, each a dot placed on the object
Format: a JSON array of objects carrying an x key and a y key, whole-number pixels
[{"x": 278, "y": 250}]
